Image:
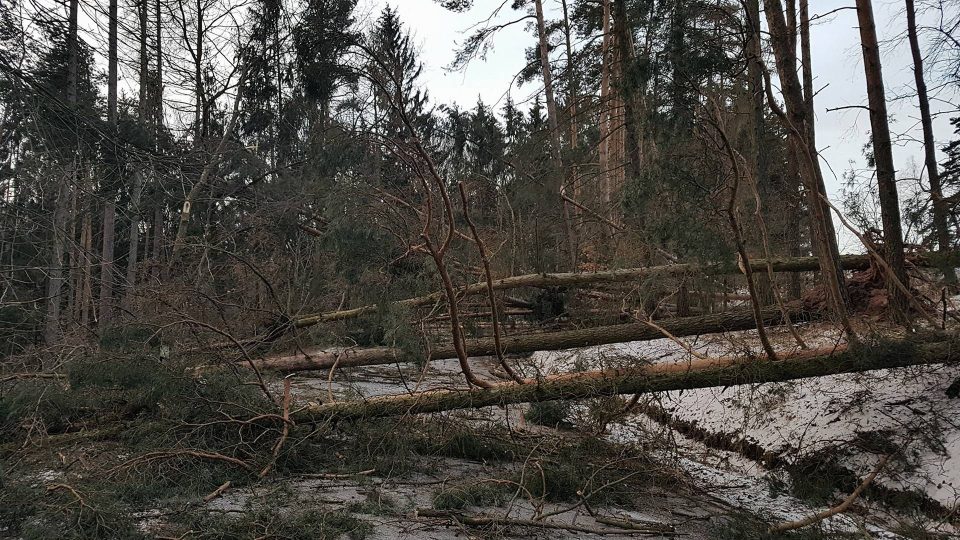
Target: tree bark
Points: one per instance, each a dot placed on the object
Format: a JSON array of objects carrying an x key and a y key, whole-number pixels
[
  {"x": 110, "y": 203},
  {"x": 603, "y": 145},
  {"x": 807, "y": 68},
  {"x": 133, "y": 251},
  {"x": 158, "y": 99},
  {"x": 142, "y": 108},
  {"x": 883, "y": 158},
  {"x": 55, "y": 279},
  {"x": 545, "y": 71},
  {"x": 940, "y": 226},
  {"x": 586, "y": 337},
  {"x": 573, "y": 279},
  {"x": 554, "y": 123},
  {"x": 707, "y": 373},
  {"x": 628, "y": 92},
  {"x": 798, "y": 127}
]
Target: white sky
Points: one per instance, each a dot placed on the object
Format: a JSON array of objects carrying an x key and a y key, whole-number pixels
[{"x": 837, "y": 65}]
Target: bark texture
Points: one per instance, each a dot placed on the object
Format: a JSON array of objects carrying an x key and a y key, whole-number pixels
[
  {"x": 573, "y": 279},
  {"x": 883, "y": 158},
  {"x": 706, "y": 373},
  {"x": 601, "y": 335},
  {"x": 941, "y": 227}
]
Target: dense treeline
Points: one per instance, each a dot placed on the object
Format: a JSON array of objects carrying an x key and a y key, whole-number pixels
[{"x": 260, "y": 160}]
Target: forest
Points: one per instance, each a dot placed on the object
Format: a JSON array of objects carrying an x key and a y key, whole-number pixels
[{"x": 257, "y": 280}]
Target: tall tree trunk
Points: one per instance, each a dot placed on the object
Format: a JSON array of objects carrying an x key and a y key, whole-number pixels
[
  {"x": 807, "y": 75},
  {"x": 572, "y": 98},
  {"x": 55, "y": 278},
  {"x": 940, "y": 227},
  {"x": 112, "y": 65},
  {"x": 821, "y": 224},
  {"x": 85, "y": 289},
  {"x": 142, "y": 108},
  {"x": 627, "y": 91},
  {"x": 883, "y": 157},
  {"x": 199, "y": 129},
  {"x": 755, "y": 85},
  {"x": 158, "y": 98},
  {"x": 158, "y": 239},
  {"x": 545, "y": 71},
  {"x": 603, "y": 148},
  {"x": 113, "y": 173},
  {"x": 133, "y": 251},
  {"x": 554, "y": 123}
]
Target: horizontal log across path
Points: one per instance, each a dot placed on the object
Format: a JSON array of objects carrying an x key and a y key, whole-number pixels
[
  {"x": 728, "y": 321},
  {"x": 701, "y": 373},
  {"x": 570, "y": 279}
]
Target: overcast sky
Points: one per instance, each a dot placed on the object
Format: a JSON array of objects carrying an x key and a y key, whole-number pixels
[{"x": 837, "y": 65}]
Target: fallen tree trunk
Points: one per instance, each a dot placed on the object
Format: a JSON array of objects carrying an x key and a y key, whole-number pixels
[
  {"x": 568, "y": 339},
  {"x": 569, "y": 279},
  {"x": 704, "y": 373}
]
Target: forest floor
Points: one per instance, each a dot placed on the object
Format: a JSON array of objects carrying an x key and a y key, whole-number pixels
[{"x": 709, "y": 463}]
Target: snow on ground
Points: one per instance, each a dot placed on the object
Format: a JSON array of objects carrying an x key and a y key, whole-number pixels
[
  {"x": 800, "y": 418},
  {"x": 794, "y": 419}
]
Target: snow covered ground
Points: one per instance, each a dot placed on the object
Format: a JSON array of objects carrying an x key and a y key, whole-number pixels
[{"x": 907, "y": 407}]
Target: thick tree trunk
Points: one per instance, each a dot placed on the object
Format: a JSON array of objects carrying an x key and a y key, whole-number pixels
[
  {"x": 545, "y": 71},
  {"x": 883, "y": 157},
  {"x": 110, "y": 204},
  {"x": 55, "y": 278},
  {"x": 706, "y": 373},
  {"x": 586, "y": 337},
  {"x": 807, "y": 68},
  {"x": 573, "y": 279},
  {"x": 625, "y": 44},
  {"x": 940, "y": 226},
  {"x": 798, "y": 127}
]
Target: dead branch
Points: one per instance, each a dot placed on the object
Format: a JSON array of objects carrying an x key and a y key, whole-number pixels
[{"x": 840, "y": 508}]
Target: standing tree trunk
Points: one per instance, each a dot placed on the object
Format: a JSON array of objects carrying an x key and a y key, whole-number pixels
[
  {"x": 603, "y": 146},
  {"x": 940, "y": 226},
  {"x": 627, "y": 91},
  {"x": 554, "y": 124},
  {"x": 55, "y": 278},
  {"x": 821, "y": 225},
  {"x": 883, "y": 157},
  {"x": 199, "y": 128},
  {"x": 144, "y": 63},
  {"x": 158, "y": 98},
  {"x": 110, "y": 203},
  {"x": 805, "y": 58}
]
